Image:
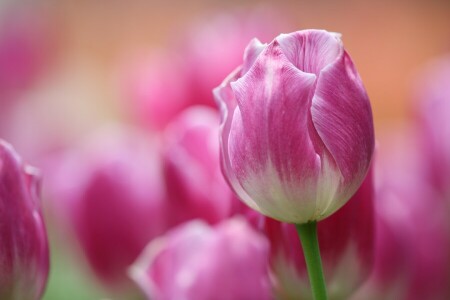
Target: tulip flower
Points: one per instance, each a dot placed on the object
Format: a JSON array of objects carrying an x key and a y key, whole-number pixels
[
  {"x": 27, "y": 42},
  {"x": 432, "y": 93},
  {"x": 144, "y": 87},
  {"x": 347, "y": 245},
  {"x": 111, "y": 196},
  {"x": 195, "y": 261},
  {"x": 194, "y": 182},
  {"x": 160, "y": 85},
  {"x": 24, "y": 255},
  {"x": 412, "y": 246},
  {"x": 297, "y": 133}
]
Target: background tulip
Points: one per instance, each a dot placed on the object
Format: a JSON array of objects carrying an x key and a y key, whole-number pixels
[
  {"x": 347, "y": 245},
  {"x": 159, "y": 86},
  {"x": 195, "y": 261},
  {"x": 111, "y": 197},
  {"x": 194, "y": 182},
  {"x": 297, "y": 133},
  {"x": 432, "y": 108},
  {"x": 24, "y": 255},
  {"x": 412, "y": 248}
]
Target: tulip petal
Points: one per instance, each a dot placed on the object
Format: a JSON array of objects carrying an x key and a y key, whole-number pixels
[
  {"x": 251, "y": 53},
  {"x": 342, "y": 116},
  {"x": 273, "y": 160},
  {"x": 24, "y": 256},
  {"x": 311, "y": 50}
]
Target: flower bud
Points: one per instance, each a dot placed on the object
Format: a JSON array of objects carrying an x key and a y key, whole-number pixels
[
  {"x": 412, "y": 245},
  {"x": 158, "y": 87},
  {"x": 297, "y": 134},
  {"x": 432, "y": 93},
  {"x": 194, "y": 182},
  {"x": 24, "y": 255},
  {"x": 347, "y": 245},
  {"x": 111, "y": 196},
  {"x": 195, "y": 261}
]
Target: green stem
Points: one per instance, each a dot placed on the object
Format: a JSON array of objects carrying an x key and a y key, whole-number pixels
[{"x": 310, "y": 245}]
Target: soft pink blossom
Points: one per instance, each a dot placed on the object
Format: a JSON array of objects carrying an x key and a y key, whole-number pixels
[
  {"x": 297, "y": 134},
  {"x": 432, "y": 107},
  {"x": 194, "y": 182},
  {"x": 195, "y": 261},
  {"x": 110, "y": 194},
  {"x": 412, "y": 247},
  {"x": 160, "y": 85}
]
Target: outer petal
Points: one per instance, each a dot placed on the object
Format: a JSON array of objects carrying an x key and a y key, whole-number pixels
[
  {"x": 342, "y": 116},
  {"x": 253, "y": 50},
  {"x": 24, "y": 255},
  {"x": 275, "y": 161},
  {"x": 227, "y": 103}
]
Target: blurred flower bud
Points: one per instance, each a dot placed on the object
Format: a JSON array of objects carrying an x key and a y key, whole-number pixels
[
  {"x": 195, "y": 261},
  {"x": 111, "y": 195},
  {"x": 346, "y": 242},
  {"x": 146, "y": 92},
  {"x": 412, "y": 247},
  {"x": 297, "y": 134},
  {"x": 24, "y": 255},
  {"x": 158, "y": 87},
  {"x": 432, "y": 92},
  {"x": 195, "y": 184},
  {"x": 27, "y": 42}
]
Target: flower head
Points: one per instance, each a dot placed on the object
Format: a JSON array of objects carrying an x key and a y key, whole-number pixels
[{"x": 297, "y": 133}]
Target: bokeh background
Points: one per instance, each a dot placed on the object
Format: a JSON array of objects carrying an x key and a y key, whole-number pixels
[{"x": 80, "y": 50}]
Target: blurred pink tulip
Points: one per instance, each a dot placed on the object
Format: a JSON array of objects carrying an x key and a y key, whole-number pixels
[
  {"x": 111, "y": 196},
  {"x": 346, "y": 242},
  {"x": 24, "y": 255},
  {"x": 432, "y": 92},
  {"x": 26, "y": 44},
  {"x": 195, "y": 261},
  {"x": 195, "y": 185},
  {"x": 155, "y": 89},
  {"x": 297, "y": 134},
  {"x": 159, "y": 87},
  {"x": 412, "y": 248}
]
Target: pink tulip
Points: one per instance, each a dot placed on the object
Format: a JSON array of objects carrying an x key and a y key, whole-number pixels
[
  {"x": 195, "y": 185},
  {"x": 347, "y": 245},
  {"x": 26, "y": 43},
  {"x": 433, "y": 111},
  {"x": 297, "y": 134},
  {"x": 195, "y": 261},
  {"x": 412, "y": 248},
  {"x": 111, "y": 195},
  {"x": 160, "y": 86},
  {"x": 24, "y": 255},
  {"x": 145, "y": 89}
]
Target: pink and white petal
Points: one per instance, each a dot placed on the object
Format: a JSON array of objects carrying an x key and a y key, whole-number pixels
[
  {"x": 275, "y": 160},
  {"x": 311, "y": 50},
  {"x": 253, "y": 50},
  {"x": 226, "y": 100},
  {"x": 159, "y": 269},
  {"x": 342, "y": 116}
]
